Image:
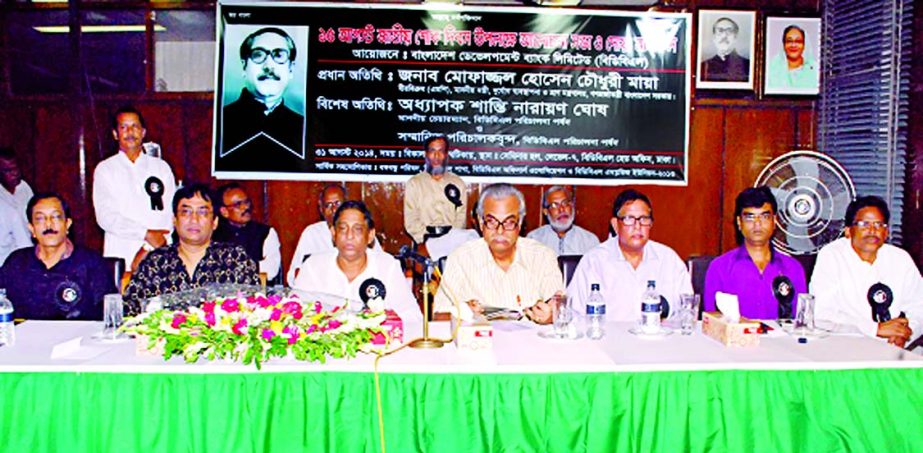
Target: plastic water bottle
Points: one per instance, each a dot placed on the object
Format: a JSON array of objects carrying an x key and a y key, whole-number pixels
[
  {"x": 650, "y": 309},
  {"x": 7, "y": 333},
  {"x": 595, "y": 314}
]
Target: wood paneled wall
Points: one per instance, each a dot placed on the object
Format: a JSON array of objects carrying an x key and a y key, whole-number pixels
[{"x": 731, "y": 141}]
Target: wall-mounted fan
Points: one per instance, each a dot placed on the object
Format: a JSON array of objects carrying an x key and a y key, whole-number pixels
[{"x": 813, "y": 191}]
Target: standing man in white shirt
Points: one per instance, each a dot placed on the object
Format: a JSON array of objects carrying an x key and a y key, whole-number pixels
[
  {"x": 435, "y": 200},
  {"x": 132, "y": 192},
  {"x": 625, "y": 263},
  {"x": 13, "y": 189},
  {"x": 862, "y": 282},
  {"x": 316, "y": 237},
  {"x": 559, "y": 205}
]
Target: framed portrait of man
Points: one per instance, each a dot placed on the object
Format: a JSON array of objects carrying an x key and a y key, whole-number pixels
[
  {"x": 726, "y": 47},
  {"x": 792, "y": 56},
  {"x": 262, "y": 113}
]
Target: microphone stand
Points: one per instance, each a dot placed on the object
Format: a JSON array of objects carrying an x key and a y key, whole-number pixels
[{"x": 426, "y": 342}]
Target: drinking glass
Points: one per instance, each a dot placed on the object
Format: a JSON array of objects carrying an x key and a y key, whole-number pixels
[
  {"x": 689, "y": 311},
  {"x": 562, "y": 316},
  {"x": 112, "y": 318},
  {"x": 804, "y": 317}
]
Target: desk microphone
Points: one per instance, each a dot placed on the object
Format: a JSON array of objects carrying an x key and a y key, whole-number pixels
[{"x": 407, "y": 253}]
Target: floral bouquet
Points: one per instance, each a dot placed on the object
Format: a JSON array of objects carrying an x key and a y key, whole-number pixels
[{"x": 255, "y": 328}]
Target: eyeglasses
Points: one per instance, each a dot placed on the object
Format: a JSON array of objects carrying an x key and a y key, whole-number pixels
[
  {"x": 644, "y": 220},
  {"x": 189, "y": 212},
  {"x": 869, "y": 224},
  {"x": 242, "y": 204},
  {"x": 794, "y": 41},
  {"x": 762, "y": 217},
  {"x": 259, "y": 54},
  {"x": 560, "y": 204},
  {"x": 357, "y": 229},
  {"x": 725, "y": 31},
  {"x": 42, "y": 218},
  {"x": 331, "y": 204},
  {"x": 509, "y": 224}
]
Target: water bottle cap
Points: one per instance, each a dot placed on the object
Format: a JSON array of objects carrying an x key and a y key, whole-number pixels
[
  {"x": 652, "y": 283},
  {"x": 594, "y": 287}
]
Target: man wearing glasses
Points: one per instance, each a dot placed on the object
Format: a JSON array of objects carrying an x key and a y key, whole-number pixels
[
  {"x": 193, "y": 262},
  {"x": 862, "y": 282},
  {"x": 261, "y": 133},
  {"x": 503, "y": 270},
  {"x": 757, "y": 273},
  {"x": 622, "y": 265},
  {"x": 316, "y": 237},
  {"x": 727, "y": 65},
  {"x": 238, "y": 227},
  {"x": 560, "y": 234}
]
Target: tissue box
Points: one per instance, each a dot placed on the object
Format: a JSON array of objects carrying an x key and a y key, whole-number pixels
[
  {"x": 473, "y": 335},
  {"x": 394, "y": 329},
  {"x": 742, "y": 333}
]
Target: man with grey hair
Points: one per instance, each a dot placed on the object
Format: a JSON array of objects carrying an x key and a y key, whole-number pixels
[
  {"x": 503, "y": 270},
  {"x": 560, "y": 234},
  {"x": 727, "y": 65},
  {"x": 435, "y": 200}
]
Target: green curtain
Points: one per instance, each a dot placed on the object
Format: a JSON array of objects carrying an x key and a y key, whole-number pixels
[{"x": 735, "y": 411}]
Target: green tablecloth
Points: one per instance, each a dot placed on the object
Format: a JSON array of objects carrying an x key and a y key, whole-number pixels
[{"x": 737, "y": 411}]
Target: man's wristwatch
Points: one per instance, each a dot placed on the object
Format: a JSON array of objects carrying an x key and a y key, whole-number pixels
[{"x": 147, "y": 246}]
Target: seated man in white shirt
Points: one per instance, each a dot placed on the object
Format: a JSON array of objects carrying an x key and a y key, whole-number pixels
[
  {"x": 862, "y": 282},
  {"x": 316, "y": 237},
  {"x": 559, "y": 204},
  {"x": 352, "y": 269},
  {"x": 624, "y": 264},
  {"x": 503, "y": 270}
]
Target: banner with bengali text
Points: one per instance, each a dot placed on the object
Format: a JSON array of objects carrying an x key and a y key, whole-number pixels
[{"x": 524, "y": 95}]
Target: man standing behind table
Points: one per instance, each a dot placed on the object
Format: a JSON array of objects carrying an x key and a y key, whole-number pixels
[
  {"x": 13, "y": 189},
  {"x": 131, "y": 192},
  {"x": 758, "y": 274},
  {"x": 861, "y": 281},
  {"x": 316, "y": 237},
  {"x": 238, "y": 227},
  {"x": 622, "y": 265},
  {"x": 196, "y": 260},
  {"x": 435, "y": 200},
  {"x": 560, "y": 234},
  {"x": 503, "y": 270},
  {"x": 56, "y": 279},
  {"x": 353, "y": 271}
]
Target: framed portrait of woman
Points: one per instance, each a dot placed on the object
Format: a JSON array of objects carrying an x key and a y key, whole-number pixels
[
  {"x": 792, "y": 56},
  {"x": 726, "y": 49}
]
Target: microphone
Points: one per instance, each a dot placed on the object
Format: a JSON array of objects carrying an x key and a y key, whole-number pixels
[
  {"x": 879, "y": 298},
  {"x": 407, "y": 253},
  {"x": 784, "y": 291}
]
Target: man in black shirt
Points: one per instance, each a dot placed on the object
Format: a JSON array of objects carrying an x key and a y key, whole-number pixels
[
  {"x": 195, "y": 260},
  {"x": 56, "y": 279},
  {"x": 238, "y": 227}
]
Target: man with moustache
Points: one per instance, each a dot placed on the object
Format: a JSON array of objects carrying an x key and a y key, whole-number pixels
[
  {"x": 196, "y": 260},
  {"x": 502, "y": 270},
  {"x": 130, "y": 193},
  {"x": 622, "y": 265},
  {"x": 354, "y": 271},
  {"x": 758, "y": 274},
  {"x": 864, "y": 283},
  {"x": 238, "y": 227},
  {"x": 56, "y": 279},
  {"x": 316, "y": 237},
  {"x": 435, "y": 200},
  {"x": 560, "y": 234},
  {"x": 259, "y": 132},
  {"x": 727, "y": 65}
]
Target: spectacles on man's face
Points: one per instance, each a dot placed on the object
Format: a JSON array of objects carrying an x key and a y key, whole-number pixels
[
  {"x": 188, "y": 212},
  {"x": 258, "y": 55},
  {"x": 331, "y": 204},
  {"x": 241, "y": 204},
  {"x": 751, "y": 217},
  {"x": 869, "y": 224},
  {"x": 509, "y": 224},
  {"x": 560, "y": 204},
  {"x": 630, "y": 220},
  {"x": 725, "y": 31}
]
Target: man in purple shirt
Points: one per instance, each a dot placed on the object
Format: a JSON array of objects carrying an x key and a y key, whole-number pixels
[{"x": 766, "y": 282}]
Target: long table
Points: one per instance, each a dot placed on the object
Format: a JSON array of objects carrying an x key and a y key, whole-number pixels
[{"x": 624, "y": 393}]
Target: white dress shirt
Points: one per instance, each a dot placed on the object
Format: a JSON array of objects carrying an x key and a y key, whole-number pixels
[
  {"x": 622, "y": 286},
  {"x": 19, "y": 199},
  {"x": 123, "y": 207},
  {"x": 13, "y": 233},
  {"x": 841, "y": 282},
  {"x": 315, "y": 238},
  {"x": 321, "y": 274},
  {"x": 272, "y": 255},
  {"x": 576, "y": 241}
]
